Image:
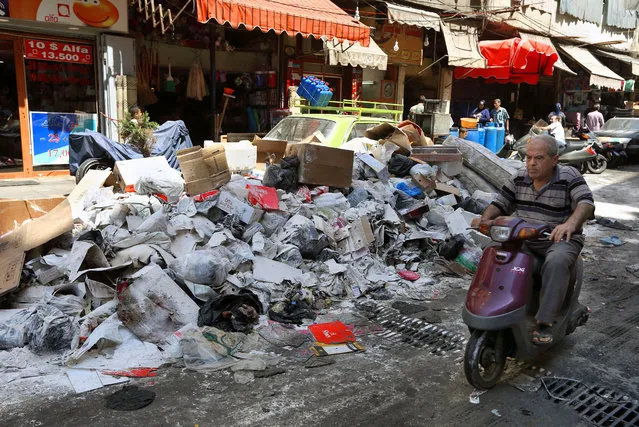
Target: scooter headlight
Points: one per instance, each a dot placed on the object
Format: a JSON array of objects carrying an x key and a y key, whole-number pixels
[{"x": 500, "y": 233}]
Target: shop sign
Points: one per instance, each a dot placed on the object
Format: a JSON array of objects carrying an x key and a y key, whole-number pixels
[
  {"x": 48, "y": 50},
  {"x": 111, "y": 15},
  {"x": 409, "y": 41},
  {"x": 50, "y": 135}
]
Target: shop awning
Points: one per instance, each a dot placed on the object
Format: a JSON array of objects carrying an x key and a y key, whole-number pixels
[
  {"x": 309, "y": 18},
  {"x": 409, "y": 16},
  {"x": 356, "y": 55},
  {"x": 560, "y": 62},
  {"x": 600, "y": 75},
  {"x": 462, "y": 46},
  {"x": 634, "y": 63},
  {"x": 514, "y": 60}
]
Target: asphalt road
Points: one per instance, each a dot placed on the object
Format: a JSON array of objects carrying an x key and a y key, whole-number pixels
[{"x": 393, "y": 383}]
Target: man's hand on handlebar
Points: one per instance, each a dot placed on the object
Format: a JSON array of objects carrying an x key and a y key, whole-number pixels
[
  {"x": 482, "y": 225},
  {"x": 566, "y": 229}
]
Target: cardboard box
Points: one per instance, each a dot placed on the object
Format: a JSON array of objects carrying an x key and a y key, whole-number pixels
[
  {"x": 232, "y": 205},
  {"x": 194, "y": 170},
  {"x": 29, "y": 235},
  {"x": 220, "y": 179},
  {"x": 448, "y": 189},
  {"x": 425, "y": 183},
  {"x": 216, "y": 163},
  {"x": 390, "y": 132},
  {"x": 187, "y": 154},
  {"x": 128, "y": 172},
  {"x": 212, "y": 149},
  {"x": 41, "y": 227},
  {"x": 14, "y": 212},
  {"x": 322, "y": 165},
  {"x": 266, "y": 147},
  {"x": 199, "y": 186},
  {"x": 448, "y": 159}
]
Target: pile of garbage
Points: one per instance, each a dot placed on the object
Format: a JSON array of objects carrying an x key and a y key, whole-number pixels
[{"x": 141, "y": 279}]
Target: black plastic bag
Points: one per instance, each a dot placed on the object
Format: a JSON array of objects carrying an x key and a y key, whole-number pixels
[
  {"x": 231, "y": 313},
  {"x": 291, "y": 312},
  {"x": 475, "y": 206},
  {"x": 400, "y": 165},
  {"x": 450, "y": 248},
  {"x": 284, "y": 175}
]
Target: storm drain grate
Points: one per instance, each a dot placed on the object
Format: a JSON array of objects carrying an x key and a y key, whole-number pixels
[
  {"x": 417, "y": 333},
  {"x": 600, "y": 406}
]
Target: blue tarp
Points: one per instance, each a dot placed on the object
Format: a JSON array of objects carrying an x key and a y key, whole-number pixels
[{"x": 170, "y": 137}]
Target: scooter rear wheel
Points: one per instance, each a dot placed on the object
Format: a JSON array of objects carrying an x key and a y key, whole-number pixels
[{"x": 485, "y": 358}]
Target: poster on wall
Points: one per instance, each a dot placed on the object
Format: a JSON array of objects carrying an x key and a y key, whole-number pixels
[
  {"x": 109, "y": 15},
  {"x": 50, "y": 135}
]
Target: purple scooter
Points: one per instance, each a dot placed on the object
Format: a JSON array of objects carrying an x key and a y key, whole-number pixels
[{"x": 503, "y": 299}]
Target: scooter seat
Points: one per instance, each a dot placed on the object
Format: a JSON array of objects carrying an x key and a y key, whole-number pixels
[{"x": 574, "y": 146}]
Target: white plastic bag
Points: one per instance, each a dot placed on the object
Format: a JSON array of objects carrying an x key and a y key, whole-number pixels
[{"x": 169, "y": 183}]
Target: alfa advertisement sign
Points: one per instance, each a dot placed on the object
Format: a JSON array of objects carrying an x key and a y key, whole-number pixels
[
  {"x": 58, "y": 51},
  {"x": 111, "y": 15},
  {"x": 50, "y": 135}
]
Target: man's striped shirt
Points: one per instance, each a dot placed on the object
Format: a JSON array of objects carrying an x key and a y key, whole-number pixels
[{"x": 552, "y": 204}]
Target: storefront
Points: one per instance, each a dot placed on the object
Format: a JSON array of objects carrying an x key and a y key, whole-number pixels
[
  {"x": 287, "y": 23},
  {"x": 176, "y": 76},
  {"x": 594, "y": 83},
  {"x": 49, "y": 89}
]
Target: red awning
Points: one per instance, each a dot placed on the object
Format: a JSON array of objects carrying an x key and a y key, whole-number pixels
[
  {"x": 513, "y": 61},
  {"x": 309, "y": 18}
]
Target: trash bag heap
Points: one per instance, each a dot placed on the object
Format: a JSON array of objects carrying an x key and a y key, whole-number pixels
[{"x": 139, "y": 274}]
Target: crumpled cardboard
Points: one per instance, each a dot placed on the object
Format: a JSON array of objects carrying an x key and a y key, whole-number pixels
[
  {"x": 269, "y": 149},
  {"x": 390, "y": 132},
  {"x": 323, "y": 165},
  {"x": 29, "y": 235}
]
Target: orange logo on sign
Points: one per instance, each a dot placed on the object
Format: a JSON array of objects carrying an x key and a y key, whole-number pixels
[{"x": 96, "y": 13}]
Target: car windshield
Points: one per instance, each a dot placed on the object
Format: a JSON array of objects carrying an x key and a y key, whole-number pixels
[
  {"x": 298, "y": 128},
  {"x": 621, "y": 124}
]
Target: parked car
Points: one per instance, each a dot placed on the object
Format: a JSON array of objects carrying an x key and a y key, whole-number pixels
[
  {"x": 336, "y": 129},
  {"x": 623, "y": 134}
]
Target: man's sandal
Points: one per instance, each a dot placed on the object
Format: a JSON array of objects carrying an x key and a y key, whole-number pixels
[{"x": 542, "y": 336}]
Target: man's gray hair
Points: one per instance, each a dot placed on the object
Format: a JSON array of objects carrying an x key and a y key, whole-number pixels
[{"x": 550, "y": 142}]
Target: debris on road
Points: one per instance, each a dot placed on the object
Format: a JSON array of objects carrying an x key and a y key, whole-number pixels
[
  {"x": 211, "y": 268},
  {"x": 611, "y": 241}
]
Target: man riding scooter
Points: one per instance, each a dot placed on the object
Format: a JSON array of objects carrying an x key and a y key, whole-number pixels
[{"x": 548, "y": 193}]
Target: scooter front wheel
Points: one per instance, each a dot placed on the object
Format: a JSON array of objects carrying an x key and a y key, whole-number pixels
[
  {"x": 597, "y": 165},
  {"x": 485, "y": 358}
]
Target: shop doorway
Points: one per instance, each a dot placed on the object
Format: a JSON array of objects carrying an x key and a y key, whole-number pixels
[{"x": 11, "y": 159}]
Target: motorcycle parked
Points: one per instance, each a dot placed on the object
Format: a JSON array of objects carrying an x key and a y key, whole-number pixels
[
  {"x": 604, "y": 156},
  {"x": 502, "y": 301},
  {"x": 577, "y": 154}
]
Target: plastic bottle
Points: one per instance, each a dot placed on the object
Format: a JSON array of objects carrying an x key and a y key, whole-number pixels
[{"x": 469, "y": 257}]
